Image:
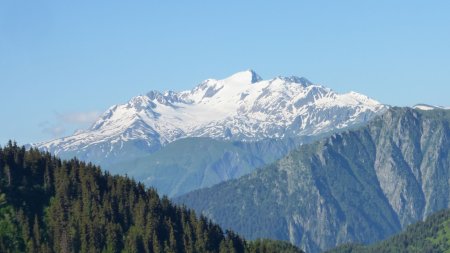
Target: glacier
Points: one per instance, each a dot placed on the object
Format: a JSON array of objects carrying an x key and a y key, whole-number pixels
[{"x": 241, "y": 107}]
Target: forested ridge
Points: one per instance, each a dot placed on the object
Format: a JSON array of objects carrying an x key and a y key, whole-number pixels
[
  {"x": 51, "y": 205},
  {"x": 431, "y": 236}
]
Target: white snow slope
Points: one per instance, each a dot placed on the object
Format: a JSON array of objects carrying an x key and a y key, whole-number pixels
[{"x": 240, "y": 107}]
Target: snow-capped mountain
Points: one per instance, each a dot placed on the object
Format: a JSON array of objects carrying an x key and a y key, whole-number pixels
[{"x": 240, "y": 107}]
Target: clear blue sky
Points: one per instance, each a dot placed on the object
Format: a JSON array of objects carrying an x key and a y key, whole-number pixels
[{"x": 62, "y": 62}]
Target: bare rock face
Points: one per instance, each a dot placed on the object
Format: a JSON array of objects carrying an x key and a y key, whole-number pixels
[{"x": 360, "y": 185}]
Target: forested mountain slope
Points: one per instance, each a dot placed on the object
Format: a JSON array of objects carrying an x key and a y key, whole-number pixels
[
  {"x": 360, "y": 185},
  {"x": 431, "y": 236}
]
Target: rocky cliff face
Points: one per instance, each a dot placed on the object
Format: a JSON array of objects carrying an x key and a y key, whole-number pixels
[{"x": 356, "y": 186}]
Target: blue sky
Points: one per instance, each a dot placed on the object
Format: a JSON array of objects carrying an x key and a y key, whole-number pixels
[{"x": 63, "y": 62}]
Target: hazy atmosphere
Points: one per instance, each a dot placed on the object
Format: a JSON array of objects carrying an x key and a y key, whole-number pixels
[{"x": 63, "y": 63}]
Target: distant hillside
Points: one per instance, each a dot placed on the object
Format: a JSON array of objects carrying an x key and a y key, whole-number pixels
[
  {"x": 193, "y": 163},
  {"x": 50, "y": 205},
  {"x": 431, "y": 236},
  {"x": 360, "y": 185}
]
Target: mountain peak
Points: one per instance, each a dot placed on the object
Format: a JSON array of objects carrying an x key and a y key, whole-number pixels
[
  {"x": 248, "y": 76},
  {"x": 251, "y": 108}
]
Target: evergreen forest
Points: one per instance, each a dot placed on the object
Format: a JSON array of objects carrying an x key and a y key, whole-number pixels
[{"x": 53, "y": 205}]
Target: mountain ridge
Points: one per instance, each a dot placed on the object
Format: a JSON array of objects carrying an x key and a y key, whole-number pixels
[
  {"x": 242, "y": 107},
  {"x": 431, "y": 235},
  {"x": 360, "y": 185}
]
